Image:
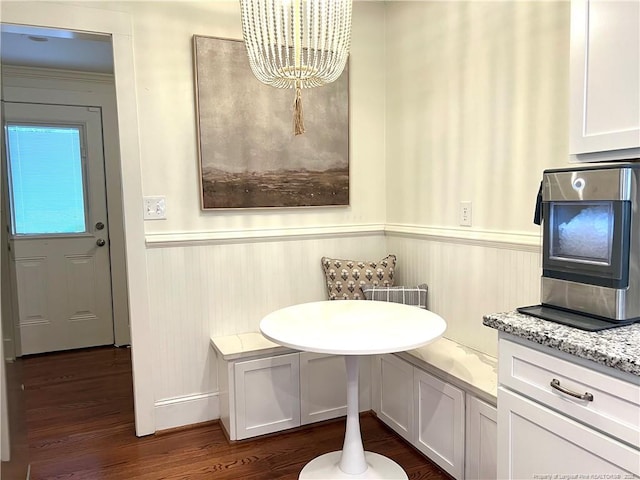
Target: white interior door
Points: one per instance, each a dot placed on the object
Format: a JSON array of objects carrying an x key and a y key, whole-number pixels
[{"x": 59, "y": 226}]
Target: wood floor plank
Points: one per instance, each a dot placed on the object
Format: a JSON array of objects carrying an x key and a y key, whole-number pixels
[{"x": 81, "y": 427}]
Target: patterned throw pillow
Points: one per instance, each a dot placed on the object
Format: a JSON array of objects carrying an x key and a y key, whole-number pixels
[
  {"x": 346, "y": 277},
  {"x": 416, "y": 296}
]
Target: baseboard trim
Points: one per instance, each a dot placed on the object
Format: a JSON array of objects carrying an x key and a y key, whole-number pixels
[{"x": 186, "y": 410}]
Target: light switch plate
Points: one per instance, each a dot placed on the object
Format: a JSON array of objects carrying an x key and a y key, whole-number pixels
[{"x": 155, "y": 208}]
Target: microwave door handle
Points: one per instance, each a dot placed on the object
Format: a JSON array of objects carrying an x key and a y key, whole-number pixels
[{"x": 537, "y": 216}]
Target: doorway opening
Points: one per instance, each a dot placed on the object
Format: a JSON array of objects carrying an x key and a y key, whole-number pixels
[
  {"x": 118, "y": 26},
  {"x": 73, "y": 108},
  {"x": 58, "y": 88}
]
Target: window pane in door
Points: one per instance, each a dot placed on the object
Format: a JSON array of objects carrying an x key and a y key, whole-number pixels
[{"x": 46, "y": 179}]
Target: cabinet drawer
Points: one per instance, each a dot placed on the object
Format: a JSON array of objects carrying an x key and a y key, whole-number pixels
[
  {"x": 615, "y": 403},
  {"x": 536, "y": 442}
]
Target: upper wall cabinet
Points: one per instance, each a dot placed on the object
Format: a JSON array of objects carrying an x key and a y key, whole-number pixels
[{"x": 605, "y": 80}]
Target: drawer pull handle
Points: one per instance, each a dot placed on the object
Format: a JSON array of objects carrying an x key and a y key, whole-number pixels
[{"x": 555, "y": 383}]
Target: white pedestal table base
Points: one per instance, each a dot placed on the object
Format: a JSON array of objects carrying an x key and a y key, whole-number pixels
[
  {"x": 352, "y": 461},
  {"x": 326, "y": 466}
]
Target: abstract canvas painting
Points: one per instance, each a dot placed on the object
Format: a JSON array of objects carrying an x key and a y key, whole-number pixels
[{"x": 249, "y": 156}]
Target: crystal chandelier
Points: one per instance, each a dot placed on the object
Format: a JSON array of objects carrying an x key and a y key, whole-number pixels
[{"x": 297, "y": 43}]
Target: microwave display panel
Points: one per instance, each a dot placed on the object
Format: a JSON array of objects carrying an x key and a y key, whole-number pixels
[{"x": 582, "y": 232}]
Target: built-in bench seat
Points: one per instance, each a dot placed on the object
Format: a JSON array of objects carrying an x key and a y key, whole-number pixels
[
  {"x": 468, "y": 369},
  {"x": 246, "y": 345},
  {"x": 265, "y": 387},
  {"x": 442, "y": 399}
]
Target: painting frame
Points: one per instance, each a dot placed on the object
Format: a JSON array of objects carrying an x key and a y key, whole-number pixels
[{"x": 248, "y": 155}]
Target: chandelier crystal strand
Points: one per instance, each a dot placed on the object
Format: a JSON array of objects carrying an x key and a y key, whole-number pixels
[{"x": 297, "y": 43}]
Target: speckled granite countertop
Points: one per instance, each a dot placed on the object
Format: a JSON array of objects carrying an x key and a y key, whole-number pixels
[{"x": 618, "y": 347}]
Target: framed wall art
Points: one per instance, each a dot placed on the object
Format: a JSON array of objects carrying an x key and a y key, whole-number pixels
[{"x": 249, "y": 156}]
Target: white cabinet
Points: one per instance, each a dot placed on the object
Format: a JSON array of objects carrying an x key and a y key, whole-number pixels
[
  {"x": 536, "y": 442},
  {"x": 614, "y": 405},
  {"x": 266, "y": 392},
  {"x": 481, "y": 434},
  {"x": 262, "y": 390},
  {"x": 560, "y": 417},
  {"x": 393, "y": 394},
  {"x": 605, "y": 80},
  {"x": 323, "y": 387},
  {"x": 439, "y": 408},
  {"x": 447, "y": 424}
]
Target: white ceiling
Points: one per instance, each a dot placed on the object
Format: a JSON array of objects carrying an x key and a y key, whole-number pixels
[{"x": 50, "y": 48}]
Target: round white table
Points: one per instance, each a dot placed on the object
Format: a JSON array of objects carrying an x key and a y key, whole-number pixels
[{"x": 352, "y": 328}]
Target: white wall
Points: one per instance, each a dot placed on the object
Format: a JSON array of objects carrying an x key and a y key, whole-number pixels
[
  {"x": 477, "y": 108},
  {"x": 473, "y": 106},
  {"x": 218, "y": 273},
  {"x": 163, "y": 34}
]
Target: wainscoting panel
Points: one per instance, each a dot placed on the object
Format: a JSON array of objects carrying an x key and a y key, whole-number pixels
[
  {"x": 225, "y": 287},
  {"x": 468, "y": 280},
  {"x": 222, "y": 288}
]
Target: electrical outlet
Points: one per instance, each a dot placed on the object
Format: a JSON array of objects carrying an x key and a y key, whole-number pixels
[
  {"x": 155, "y": 208},
  {"x": 465, "y": 214}
]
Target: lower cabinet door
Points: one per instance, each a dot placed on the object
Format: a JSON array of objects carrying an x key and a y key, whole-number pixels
[
  {"x": 393, "y": 390},
  {"x": 323, "y": 387},
  {"x": 439, "y": 408},
  {"x": 481, "y": 454},
  {"x": 536, "y": 442},
  {"x": 267, "y": 395}
]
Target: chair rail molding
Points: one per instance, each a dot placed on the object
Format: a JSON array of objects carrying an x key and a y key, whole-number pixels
[
  {"x": 173, "y": 239},
  {"x": 520, "y": 241}
]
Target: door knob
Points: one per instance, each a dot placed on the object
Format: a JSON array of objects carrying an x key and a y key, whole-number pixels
[{"x": 100, "y": 242}]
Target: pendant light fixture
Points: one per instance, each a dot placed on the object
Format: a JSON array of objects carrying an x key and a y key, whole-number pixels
[{"x": 297, "y": 43}]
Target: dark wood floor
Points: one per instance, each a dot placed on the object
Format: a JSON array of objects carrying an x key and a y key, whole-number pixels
[{"x": 80, "y": 426}]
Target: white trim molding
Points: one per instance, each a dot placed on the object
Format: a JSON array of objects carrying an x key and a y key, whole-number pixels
[
  {"x": 160, "y": 240},
  {"x": 521, "y": 241},
  {"x": 186, "y": 410},
  {"x": 525, "y": 242}
]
